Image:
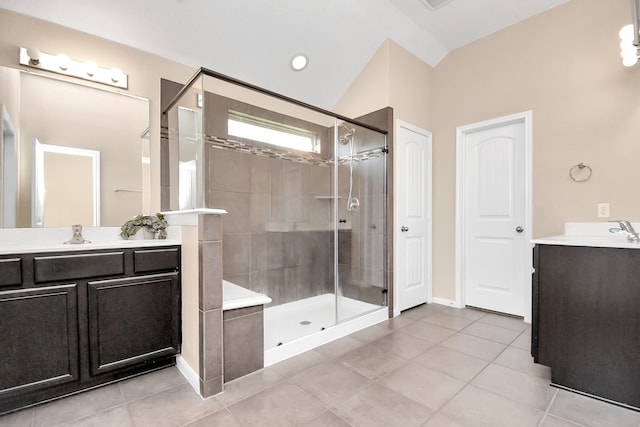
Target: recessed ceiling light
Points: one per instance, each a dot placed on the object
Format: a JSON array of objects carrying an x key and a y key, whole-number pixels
[
  {"x": 299, "y": 61},
  {"x": 435, "y": 4}
]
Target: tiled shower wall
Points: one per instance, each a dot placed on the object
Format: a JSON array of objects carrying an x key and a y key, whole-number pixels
[{"x": 270, "y": 201}]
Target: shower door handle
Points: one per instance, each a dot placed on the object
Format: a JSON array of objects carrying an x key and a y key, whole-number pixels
[{"x": 404, "y": 229}]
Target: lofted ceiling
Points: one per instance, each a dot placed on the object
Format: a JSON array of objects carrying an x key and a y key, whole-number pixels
[{"x": 253, "y": 40}]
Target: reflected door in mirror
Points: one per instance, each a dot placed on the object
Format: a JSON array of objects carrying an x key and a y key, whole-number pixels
[{"x": 66, "y": 186}]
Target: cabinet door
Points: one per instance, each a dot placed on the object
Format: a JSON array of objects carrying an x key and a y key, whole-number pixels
[
  {"x": 38, "y": 339},
  {"x": 132, "y": 321}
]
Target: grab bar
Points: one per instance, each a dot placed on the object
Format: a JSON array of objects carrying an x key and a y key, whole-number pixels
[{"x": 127, "y": 190}]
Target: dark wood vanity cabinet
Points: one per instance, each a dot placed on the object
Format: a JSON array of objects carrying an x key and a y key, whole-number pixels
[
  {"x": 74, "y": 320},
  {"x": 586, "y": 319},
  {"x": 132, "y": 321},
  {"x": 39, "y": 339}
]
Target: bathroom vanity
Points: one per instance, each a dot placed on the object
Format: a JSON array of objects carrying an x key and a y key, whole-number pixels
[
  {"x": 73, "y": 319},
  {"x": 586, "y": 315}
]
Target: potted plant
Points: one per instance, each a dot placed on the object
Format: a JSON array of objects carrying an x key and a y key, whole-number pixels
[{"x": 151, "y": 224}]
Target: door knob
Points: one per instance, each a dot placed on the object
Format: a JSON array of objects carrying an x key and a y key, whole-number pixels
[
  {"x": 519, "y": 229},
  {"x": 404, "y": 229}
]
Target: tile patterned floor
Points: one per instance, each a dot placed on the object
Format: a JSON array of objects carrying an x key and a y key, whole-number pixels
[{"x": 433, "y": 366}]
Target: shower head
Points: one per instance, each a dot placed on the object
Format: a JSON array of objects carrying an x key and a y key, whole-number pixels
[{"x": 347, "y": 137}]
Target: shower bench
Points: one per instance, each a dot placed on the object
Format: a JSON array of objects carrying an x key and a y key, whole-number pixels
[{"x": 243, "y": 330}]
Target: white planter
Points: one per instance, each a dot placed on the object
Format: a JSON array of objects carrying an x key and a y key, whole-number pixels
[
  {"x": 147, "y": 235},
  {"x": 143, "y": 234}
]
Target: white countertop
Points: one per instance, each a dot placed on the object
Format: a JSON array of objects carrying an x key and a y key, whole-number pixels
[
  {"x": 30, "y": 240},
  {"x": 235, "y": 296},
  {"x": 590, "y": 234},
  {"x": 189, "y": 216},
  {"x": 594, "y": 241}
]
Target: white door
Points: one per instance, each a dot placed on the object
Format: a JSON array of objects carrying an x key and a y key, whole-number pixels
[
  {"x": 494, "y": 210},
  {"x": 413, "y": 215},
  {"x": 56, "y": 169}
]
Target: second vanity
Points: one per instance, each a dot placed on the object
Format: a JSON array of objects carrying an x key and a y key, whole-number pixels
[
  {"x": 77, "y": 316},
  {"x": 586, "y": 312}
]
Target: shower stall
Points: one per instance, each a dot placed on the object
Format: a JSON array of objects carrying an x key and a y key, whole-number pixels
[{"x": 305, "y": 192}]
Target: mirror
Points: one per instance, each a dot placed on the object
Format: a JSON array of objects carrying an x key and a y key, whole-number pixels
[{"x": 76, "y": 154}]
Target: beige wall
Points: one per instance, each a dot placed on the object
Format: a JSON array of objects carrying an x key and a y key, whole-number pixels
[
  {"x": 393, "y": 77},
  {"x": 410, "y": 82},
  {"x": 144, "y": 69},
  {"x": 10, "y": 87},
  {"x": 564, "y": 65},
  {"x": 370, "y": 90}
]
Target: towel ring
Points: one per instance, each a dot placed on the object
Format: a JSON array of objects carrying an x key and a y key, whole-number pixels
[{"x": 580, "y": 172}]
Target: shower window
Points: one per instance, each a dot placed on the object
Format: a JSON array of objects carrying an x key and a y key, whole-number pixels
[{"x": 262, "y": 130}]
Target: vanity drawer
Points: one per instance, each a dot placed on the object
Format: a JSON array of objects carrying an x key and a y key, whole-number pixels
[
  {"x": 10, "y": 271},
  {"x": 77, "y": 266},
  {"x": 165, "y": 259}
]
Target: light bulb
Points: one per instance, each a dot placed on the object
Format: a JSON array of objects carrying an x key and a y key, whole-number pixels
[
  {"x": 626, "y": 44},
  {"x": 34, "y": 55},
  {"x": 116, "y": 75},
  {"x": 630, "y": 61},
  {"x": 90, "y": 68},
  {"x": 629, "y": 51},
  {"x": 626, "y": 32},
  {"x": 63, "y": 61}
]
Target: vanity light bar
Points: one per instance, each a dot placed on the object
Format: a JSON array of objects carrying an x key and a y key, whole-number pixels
[{"x": 62, "y": 64}]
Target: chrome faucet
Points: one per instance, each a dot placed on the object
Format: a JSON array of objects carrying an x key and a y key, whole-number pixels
[
  {"x": 626, "y": 229},
  {"x": 77, "y": 235}
]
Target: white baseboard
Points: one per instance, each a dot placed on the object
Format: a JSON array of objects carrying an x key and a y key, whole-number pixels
[
  {"x": 188, "y": 372},
  {"x": 447, "y": 302}
]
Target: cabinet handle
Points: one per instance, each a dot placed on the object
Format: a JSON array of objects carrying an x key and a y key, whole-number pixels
[
  {"x": 519, "y": 229},
  {"x": 404, "y": 229}
]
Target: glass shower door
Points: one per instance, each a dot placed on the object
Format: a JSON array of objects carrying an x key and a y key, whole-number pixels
[{"x": 361, "y": 207}]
